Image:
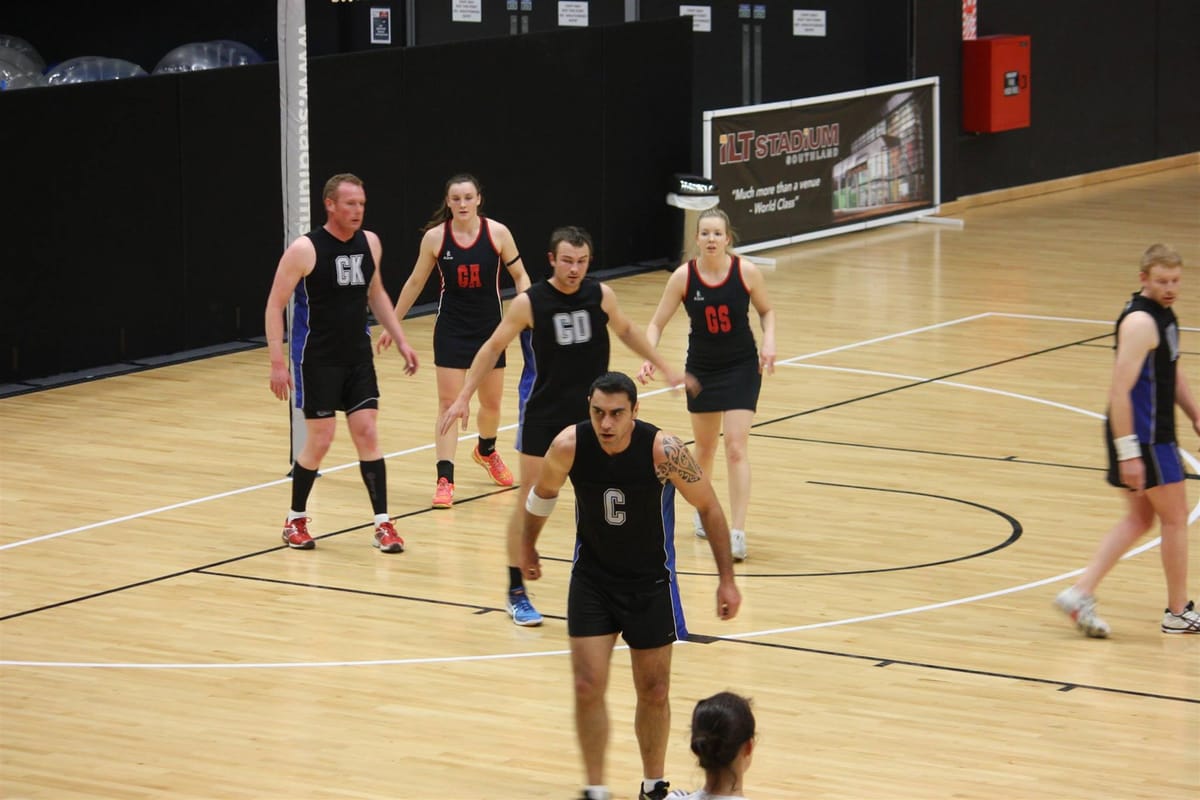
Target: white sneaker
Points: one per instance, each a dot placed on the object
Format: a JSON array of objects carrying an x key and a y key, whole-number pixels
[
  {"x": 698, "y": 525},
  {"x": 1187, "y": 621},
  {"x": 1081, "y": 609},
  {"x": 737, "y": 543}
]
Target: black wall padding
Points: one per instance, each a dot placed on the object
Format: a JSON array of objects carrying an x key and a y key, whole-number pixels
[
  {"x": 230, "y": 200},
  {"x": 1177, "y": 72},
  {"x": 92, "y": 243},
  {"x": 149, "y": 217}
]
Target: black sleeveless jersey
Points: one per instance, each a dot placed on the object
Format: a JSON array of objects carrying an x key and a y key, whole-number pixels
[
  {"x": 566, "y": 350},
  {"x": 469, "y": 302},
  {"x": 329, "y": 323},
  {"x": 625, "y": 516},
  {"x": 720, "y": 334},
  {"x": 1153, "y": 395}
]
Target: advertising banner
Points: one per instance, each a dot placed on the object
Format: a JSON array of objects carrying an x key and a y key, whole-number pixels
[{"x": 793, "y": 171}]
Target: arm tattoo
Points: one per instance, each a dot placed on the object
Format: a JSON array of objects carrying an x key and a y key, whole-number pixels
[{"x": 679, "y": 461}]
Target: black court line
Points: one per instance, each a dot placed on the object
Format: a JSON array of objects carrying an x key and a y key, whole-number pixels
[
  {"x": 1015, "y": 532},
  {"x": 234, "y": 559},
  {"x": 1064, "y": 686},
  {"x": 478, "y": 609},
  {"x": 927, "y": 381},
  {"x": 923, "y": 452},
  {"x": 919, "y": 451},
  {"x": 1110, "y": 347}
]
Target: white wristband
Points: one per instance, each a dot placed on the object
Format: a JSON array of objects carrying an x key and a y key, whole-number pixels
[
  {"x": 539, "y": 506},
  {"x": 1127, "y": 447}
]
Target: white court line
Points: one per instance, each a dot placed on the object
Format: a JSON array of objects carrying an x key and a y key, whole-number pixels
[
  {"x": 1066, "y": 319},
  {"x": 378, "y": 662},
  {"x": 919, "y": 379},
  {"x": 185, "y": 503},
  {"x": 878, "y": 339},
  {"x": 411, "y": 450},
  {"x": 747, "y": 635}
]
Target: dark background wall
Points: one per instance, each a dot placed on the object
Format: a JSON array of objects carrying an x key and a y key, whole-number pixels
[
  {"x": 1112, "y": 83},
  {"x": 150, "y": 209},
  {"x": 143, "y": 217}
]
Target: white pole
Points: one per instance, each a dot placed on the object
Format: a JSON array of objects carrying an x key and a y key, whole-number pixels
[{"x": 294, "y": 165}]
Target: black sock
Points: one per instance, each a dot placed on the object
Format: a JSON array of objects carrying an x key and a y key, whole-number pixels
[
  {"x": 515, "y": 583},
  {"x": 302, "y": 483},
  {"x": 445, "y": 469},
  {"x": 374, "y": 475},
  {"x": 487, "y": 446}
]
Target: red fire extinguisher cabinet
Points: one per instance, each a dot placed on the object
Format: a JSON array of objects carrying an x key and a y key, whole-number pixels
[{"x": 995, "y": 83}]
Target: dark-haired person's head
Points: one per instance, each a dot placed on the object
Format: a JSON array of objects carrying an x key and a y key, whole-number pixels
[
  {"x": 615, "y": 383},
  {"x": 723, "y": 736},
  {"x": 572, "y": 235}
]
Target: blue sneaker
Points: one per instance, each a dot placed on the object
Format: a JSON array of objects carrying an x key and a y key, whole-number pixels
[{"x": 523, "y": 612}]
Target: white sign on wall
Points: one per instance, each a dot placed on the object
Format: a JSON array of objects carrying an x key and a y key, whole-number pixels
[
  {"x": 466, "y": 11},
  {"x": 572, "y": 14},
  {"x": 807, "y": 22},
  {"x": 701, "y": 17}
]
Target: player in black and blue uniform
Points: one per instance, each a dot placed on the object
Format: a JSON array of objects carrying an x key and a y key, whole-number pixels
[
  {"x": 1143, "y": 453},
  {"x": 333, "y": 275},
  {"x": 567, "y": 318},
  {"x": 469, "y": 252},
  {"x": 625, "y": 473}
]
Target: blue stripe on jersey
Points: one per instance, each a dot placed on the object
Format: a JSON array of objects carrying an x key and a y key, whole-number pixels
[
  {"x": 525, "y": 386},
  {"x": 1164, "y": 463},
  {"x": 1143, "y": 397},
  {"x": 298, "y": 338},
  {"x": 667, "y": 507}
]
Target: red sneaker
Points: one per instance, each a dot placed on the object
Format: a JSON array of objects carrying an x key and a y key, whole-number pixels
[
  {"x": 443, "y": 496},
  {"x": 387, "y": 540},
  {"x": 295, "y": 534},
  {"x": 495, "y": 467}
]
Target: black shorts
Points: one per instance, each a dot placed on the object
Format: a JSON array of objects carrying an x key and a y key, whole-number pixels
[
  {"x": 726, "y": 389},
  {"x": 535, "y": 440},
  {"x": 645, "y": 618},
  {"x": 456, "y": 351},
  {"x": 323, "y": 389}
]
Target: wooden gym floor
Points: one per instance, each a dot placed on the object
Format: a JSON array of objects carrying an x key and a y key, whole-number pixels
[{"x": 927, "y": 475}]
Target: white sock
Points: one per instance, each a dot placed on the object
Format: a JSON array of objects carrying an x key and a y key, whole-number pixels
[
  {"x": 380, "y": 519},
  {"x": 648, "y": 784},
  {"x": 296, "y": 515},
  {"x": 597, "y": 792}
]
